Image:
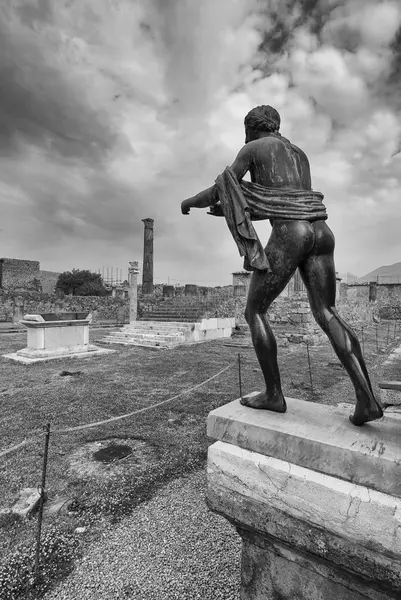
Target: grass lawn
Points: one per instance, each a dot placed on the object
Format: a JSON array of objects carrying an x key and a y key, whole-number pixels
[{"x": 167, "y": 441}]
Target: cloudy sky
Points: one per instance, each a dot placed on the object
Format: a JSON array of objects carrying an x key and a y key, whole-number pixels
[{"x": 116, "y": 110}]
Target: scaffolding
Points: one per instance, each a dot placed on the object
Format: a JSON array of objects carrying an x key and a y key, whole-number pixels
[{"x": 112, "y": 276}]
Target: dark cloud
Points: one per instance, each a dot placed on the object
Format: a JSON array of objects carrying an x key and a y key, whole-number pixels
[
  {"x": 32, "y": 12},
  {"x": 285, "y": 19},
  {"x": 394, "y": 78},
  {"x": 38, "y": 102}
]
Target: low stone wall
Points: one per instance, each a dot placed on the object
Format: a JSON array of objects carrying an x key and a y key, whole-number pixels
[
  {"x": 353, "y": 305},
  {"x": 103, "y": 308}
]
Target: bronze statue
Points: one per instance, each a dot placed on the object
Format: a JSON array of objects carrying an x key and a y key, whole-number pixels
[{"x": 280, "y": 190}]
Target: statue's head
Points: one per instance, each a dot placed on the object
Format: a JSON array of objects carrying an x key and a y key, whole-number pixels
[{"x": 260, "y": 121}]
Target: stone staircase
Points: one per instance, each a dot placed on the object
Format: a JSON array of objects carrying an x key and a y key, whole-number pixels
[
  {"x": 173, "y": 322},
  {"x": 178, "y": 310}
]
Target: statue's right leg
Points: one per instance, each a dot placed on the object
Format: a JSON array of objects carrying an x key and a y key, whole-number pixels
[
  {"x": 318, "y": 273},
  {"x": 289, "y": 243}
]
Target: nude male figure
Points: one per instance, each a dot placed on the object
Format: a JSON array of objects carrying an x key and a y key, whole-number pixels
[{"x": 275, "y": 163}]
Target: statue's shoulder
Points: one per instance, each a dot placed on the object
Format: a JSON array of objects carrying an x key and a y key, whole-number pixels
[{"x": 300, "y": 152}]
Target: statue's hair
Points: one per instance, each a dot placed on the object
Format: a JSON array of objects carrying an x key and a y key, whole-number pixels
[{"x": 263, "y": 118}]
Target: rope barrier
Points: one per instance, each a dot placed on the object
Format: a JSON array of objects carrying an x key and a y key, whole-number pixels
[
  {"x": 119, "y": 417},
  {"x": 12, "y": 448}
]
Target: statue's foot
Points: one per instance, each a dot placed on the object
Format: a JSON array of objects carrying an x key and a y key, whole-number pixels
[
  {"x": 275, "y": 403},
  {"x": 364, "y": 413}
]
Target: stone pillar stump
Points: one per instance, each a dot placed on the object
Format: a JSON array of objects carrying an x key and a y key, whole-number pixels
[
  {"x": 133, "y": 290},
  {"x": 168, "y": 291},
  {"x": 239, "y": 290},
  {"x": 316, "y": 501},
  {"x": 191, "y": 290},
  {"x": 18, "y": 312}
]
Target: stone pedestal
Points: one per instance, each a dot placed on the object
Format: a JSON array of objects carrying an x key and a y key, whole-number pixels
[
  {"x": 316, "y": 500},
  {"x": 133, "y": 290}
]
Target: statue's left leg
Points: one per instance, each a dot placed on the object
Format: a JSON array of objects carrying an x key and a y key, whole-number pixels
[
  {"x": 290, "y": 242},
  {"x": 318, "y": 274}
]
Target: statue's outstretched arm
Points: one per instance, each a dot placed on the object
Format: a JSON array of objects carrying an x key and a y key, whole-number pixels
[{"x": 209, "y": 197}]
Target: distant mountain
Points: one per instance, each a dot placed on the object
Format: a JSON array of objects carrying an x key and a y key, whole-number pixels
[{"x": 385, "y": 274}]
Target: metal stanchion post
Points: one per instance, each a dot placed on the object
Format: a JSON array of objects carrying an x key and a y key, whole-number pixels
[
  {"x": 42, "y": 500},
  {"x": 239, "y": 375},
  {"x": 310, "y": 369}
]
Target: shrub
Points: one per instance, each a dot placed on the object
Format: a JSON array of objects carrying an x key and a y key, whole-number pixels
[{"x": 17, "y": 570}]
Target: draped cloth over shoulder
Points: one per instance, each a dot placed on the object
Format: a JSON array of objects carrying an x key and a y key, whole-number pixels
[{"x": 242, "y": 203}]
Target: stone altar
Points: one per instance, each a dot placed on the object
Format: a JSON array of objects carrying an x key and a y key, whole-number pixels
[
  {"x": 56, "y": 335},
  {"x": 318, "y": 506}
]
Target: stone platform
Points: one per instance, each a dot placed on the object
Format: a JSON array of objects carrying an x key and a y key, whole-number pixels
[
  {"x": 28, "y": 356},
  {"x": 159, "y": 335},
  {"x": 316, "y": 500}
]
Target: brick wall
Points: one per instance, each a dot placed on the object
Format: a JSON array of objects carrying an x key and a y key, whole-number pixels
[{"x": 16, "y": 273}]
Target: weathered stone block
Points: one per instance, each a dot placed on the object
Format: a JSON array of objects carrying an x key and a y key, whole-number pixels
[
  {"x": 319, "y": 516},
  {"x": 27, "y": 502},
  {"x": 209, "y": 324},
  {"x": 223, "y": 323}
]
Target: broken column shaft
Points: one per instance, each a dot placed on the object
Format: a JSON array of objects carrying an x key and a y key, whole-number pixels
[{"x": 147, "y": 273}]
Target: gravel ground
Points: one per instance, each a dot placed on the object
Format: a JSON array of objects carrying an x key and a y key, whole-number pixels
[{"x": 172, "y": 547}]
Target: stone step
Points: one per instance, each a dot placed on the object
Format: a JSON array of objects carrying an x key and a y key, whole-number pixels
[
  {"x": 143, "y": 344},
  {"x": 174, "y": 319},
  {"x": 157, "y": 323},
  {"x": 183, "y": 307},
  {"x": 184, "y": 302},
  {"x": 157, "y": 326},
  {"x": 149, "y": 337},
  {"x": 171, "y": 313}
]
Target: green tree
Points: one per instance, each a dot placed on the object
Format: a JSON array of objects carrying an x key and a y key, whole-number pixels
[{"x": 81, "y": 283}]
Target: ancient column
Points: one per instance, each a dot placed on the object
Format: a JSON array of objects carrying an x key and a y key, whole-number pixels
[
  {"x": 147, "y": 275},
  {"x": 133, "y": 290}
]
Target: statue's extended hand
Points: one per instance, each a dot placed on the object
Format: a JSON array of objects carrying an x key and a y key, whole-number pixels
[
  {"x": 216, "y": 210},
  {"x": 185, "y": 208}
]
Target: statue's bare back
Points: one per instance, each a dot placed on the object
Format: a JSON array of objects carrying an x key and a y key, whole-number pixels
[{"x": 276, "y": 163}]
